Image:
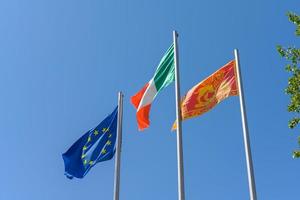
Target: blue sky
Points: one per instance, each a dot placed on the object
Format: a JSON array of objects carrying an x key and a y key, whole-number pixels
[{"x": 63, "y": 62}]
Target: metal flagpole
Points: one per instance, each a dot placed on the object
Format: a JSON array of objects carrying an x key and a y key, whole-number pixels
[
  {"x": 181, "y": 195},
  {"x": 118, "y": 147},
  {"x": 250, "y": 170}
]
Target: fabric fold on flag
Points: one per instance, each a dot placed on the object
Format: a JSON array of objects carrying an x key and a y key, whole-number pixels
[
  {"x": 209, "y": 92},
  {"x": 163, "y": 76},
  {"x": 96, "y": 145}
]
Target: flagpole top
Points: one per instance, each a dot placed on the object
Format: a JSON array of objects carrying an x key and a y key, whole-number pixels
[
  {"x": 175, "y": 33},
  {"x": 120, "y": 93}
]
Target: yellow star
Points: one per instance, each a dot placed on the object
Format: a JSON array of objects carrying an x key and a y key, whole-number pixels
[
  {"x": 84, "y": 148},
  {"x": 103, "y": 151},
  {"x": 110, "y": 135},
  {"x": 91, "y": 162},
  {"x": 96, "y": 132},
  {"x": 108, "y": 142},
  {"x": 89, "y": 139},
  {"x": 83, "y": 156},
  {"x": 104, "y": 130},
  {"x": 85, "y": 162}
]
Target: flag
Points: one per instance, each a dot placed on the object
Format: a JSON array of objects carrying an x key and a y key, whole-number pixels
[
  {"x": 96, "y": 145},
  {"x": 209, "y": 92},
  {"x": 163, "y": 76}
]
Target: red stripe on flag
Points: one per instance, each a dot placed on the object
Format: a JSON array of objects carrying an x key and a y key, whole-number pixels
[
  {"x": 136, "y": 99},
  {"x": 142, "y": 117}
]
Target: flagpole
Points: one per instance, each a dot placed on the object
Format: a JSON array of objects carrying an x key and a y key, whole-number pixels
[
  {"x": 250, "y": 170},
  {"x": 118, "y": 147},
  {"x": 181, "y": 194}
]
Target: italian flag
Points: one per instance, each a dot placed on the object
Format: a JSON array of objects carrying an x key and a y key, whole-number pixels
[{"x": 164, "y": 75}]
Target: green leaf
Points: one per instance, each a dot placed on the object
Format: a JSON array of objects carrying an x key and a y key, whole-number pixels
[
  {"x": 296, "y": 154},
  {"x": 294, "y": 122}
]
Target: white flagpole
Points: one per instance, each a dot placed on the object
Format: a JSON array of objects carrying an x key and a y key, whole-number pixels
[
  {"x": 181, "y": 194},
  {"x": 250, "y": 170},
  {"x": 118, "y": 147}
]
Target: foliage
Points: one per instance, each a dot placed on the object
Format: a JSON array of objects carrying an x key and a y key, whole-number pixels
[{"x": 292, "y": 54}]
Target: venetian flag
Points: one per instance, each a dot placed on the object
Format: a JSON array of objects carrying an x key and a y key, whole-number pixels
[
  {"x": 163, "y": 76},
  {"x": 209, "y": 92}
]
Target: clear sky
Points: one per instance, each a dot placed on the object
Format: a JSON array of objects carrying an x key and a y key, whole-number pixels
[{"x": 62, "y": 63}]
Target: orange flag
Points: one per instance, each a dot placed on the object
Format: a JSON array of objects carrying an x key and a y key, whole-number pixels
[{"x": 209, "y": 92}]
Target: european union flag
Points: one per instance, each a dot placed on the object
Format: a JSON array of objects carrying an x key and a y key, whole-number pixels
[{"x": 95, "y": 146}]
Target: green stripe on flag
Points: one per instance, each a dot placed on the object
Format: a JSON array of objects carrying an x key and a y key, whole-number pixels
[{"x": 165, "y": 72}]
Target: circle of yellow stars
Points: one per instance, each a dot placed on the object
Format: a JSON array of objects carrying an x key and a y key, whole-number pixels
[{"x": 103, "y": 151}]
